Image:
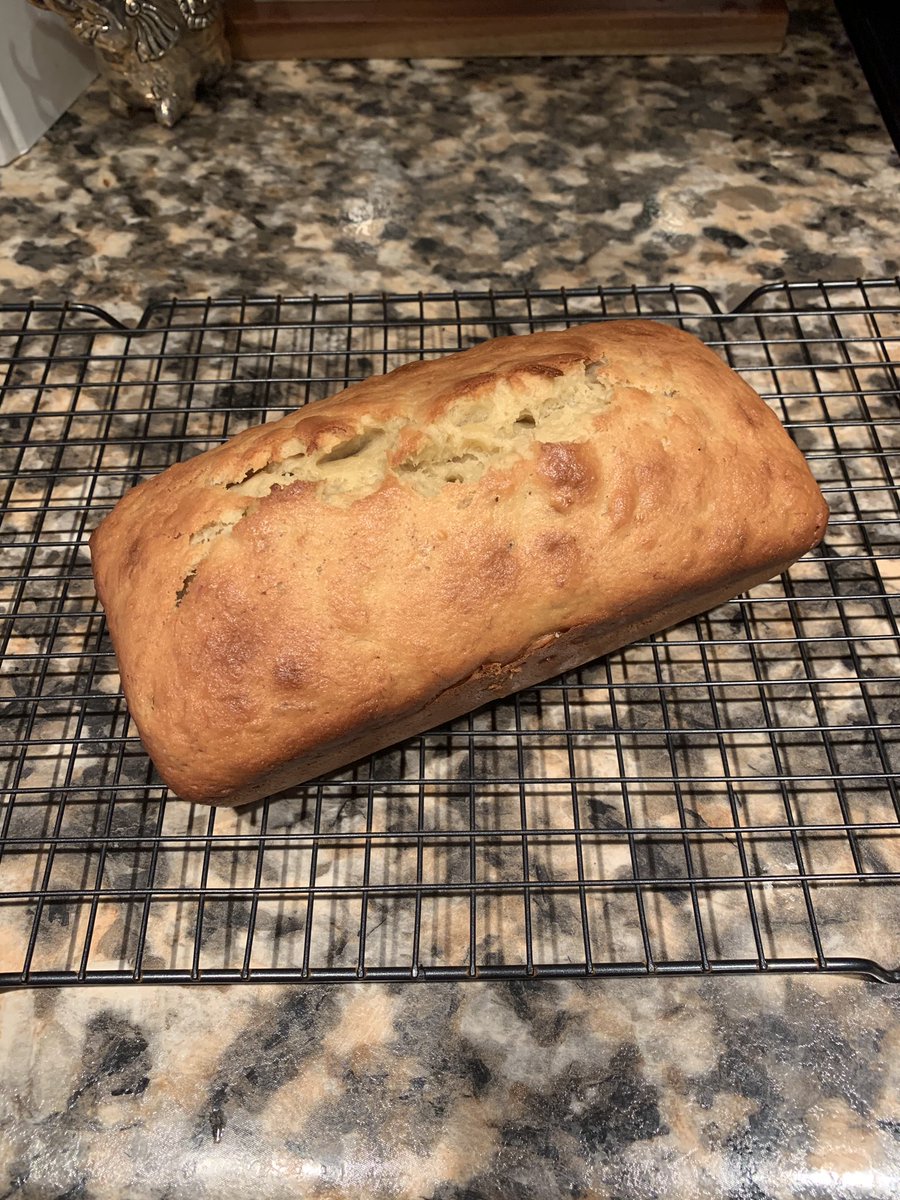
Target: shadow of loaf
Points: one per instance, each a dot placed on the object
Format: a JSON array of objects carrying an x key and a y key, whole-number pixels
[{"x": 380, "y": 562}]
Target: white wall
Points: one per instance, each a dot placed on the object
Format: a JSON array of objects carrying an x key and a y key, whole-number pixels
[{"x": 43, "y": 69}]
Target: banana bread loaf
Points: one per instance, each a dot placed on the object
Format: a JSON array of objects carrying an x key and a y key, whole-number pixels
[{"x": 379, "y": 562}]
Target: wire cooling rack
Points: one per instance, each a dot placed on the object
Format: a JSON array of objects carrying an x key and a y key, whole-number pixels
[{"x": 718, "y": 798}]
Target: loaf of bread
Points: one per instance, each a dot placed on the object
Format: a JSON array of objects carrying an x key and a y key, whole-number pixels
[{"x": 380, "y": 562}]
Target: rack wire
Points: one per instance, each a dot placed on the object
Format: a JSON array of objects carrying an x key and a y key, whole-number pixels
[{"x": 721, "y": 797}]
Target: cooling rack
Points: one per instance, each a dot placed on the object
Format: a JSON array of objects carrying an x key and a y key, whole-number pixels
[{"x": 718, "y": 798}]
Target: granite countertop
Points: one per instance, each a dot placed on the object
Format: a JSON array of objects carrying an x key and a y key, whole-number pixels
[
  {"x": 406, "y": 175},
  {"x": 390, "y": 175}
]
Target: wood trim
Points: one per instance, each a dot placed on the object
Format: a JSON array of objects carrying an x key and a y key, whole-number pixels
[{"x": 291, "y": 29}]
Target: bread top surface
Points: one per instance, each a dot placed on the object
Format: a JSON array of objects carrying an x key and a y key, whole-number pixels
[{"x": 342, "y": 565}]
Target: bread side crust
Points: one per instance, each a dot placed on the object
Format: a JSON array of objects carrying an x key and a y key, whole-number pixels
[
  {"x": 571, "y": 649},
  {"x": 268, "y": 629}
]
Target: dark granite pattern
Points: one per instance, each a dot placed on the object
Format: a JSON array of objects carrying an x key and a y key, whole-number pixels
[
  {"x": 701, "y": 1088},
  {"x": 417, "y": 175}
]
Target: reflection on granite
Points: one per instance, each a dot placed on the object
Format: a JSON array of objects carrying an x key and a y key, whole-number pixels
[
  {"x": 343, "y": 176},
  {"x": 419, "y": 175}
]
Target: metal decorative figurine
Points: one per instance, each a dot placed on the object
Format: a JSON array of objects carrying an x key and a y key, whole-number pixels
[{"x": 152, "y": 53}]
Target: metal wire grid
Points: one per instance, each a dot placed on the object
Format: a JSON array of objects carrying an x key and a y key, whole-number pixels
[{"x": 721, "y": 797}]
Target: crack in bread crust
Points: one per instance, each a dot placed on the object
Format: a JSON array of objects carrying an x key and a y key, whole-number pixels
[{"x": 491, "y": 426}]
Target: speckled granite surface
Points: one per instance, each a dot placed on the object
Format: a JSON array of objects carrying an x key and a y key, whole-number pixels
[
  {"x": 410, "y": 176},
  {"x": 398, "y": 175}
]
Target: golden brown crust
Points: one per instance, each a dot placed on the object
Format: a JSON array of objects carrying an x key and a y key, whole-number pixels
[{"x": 427, "y": 540}]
